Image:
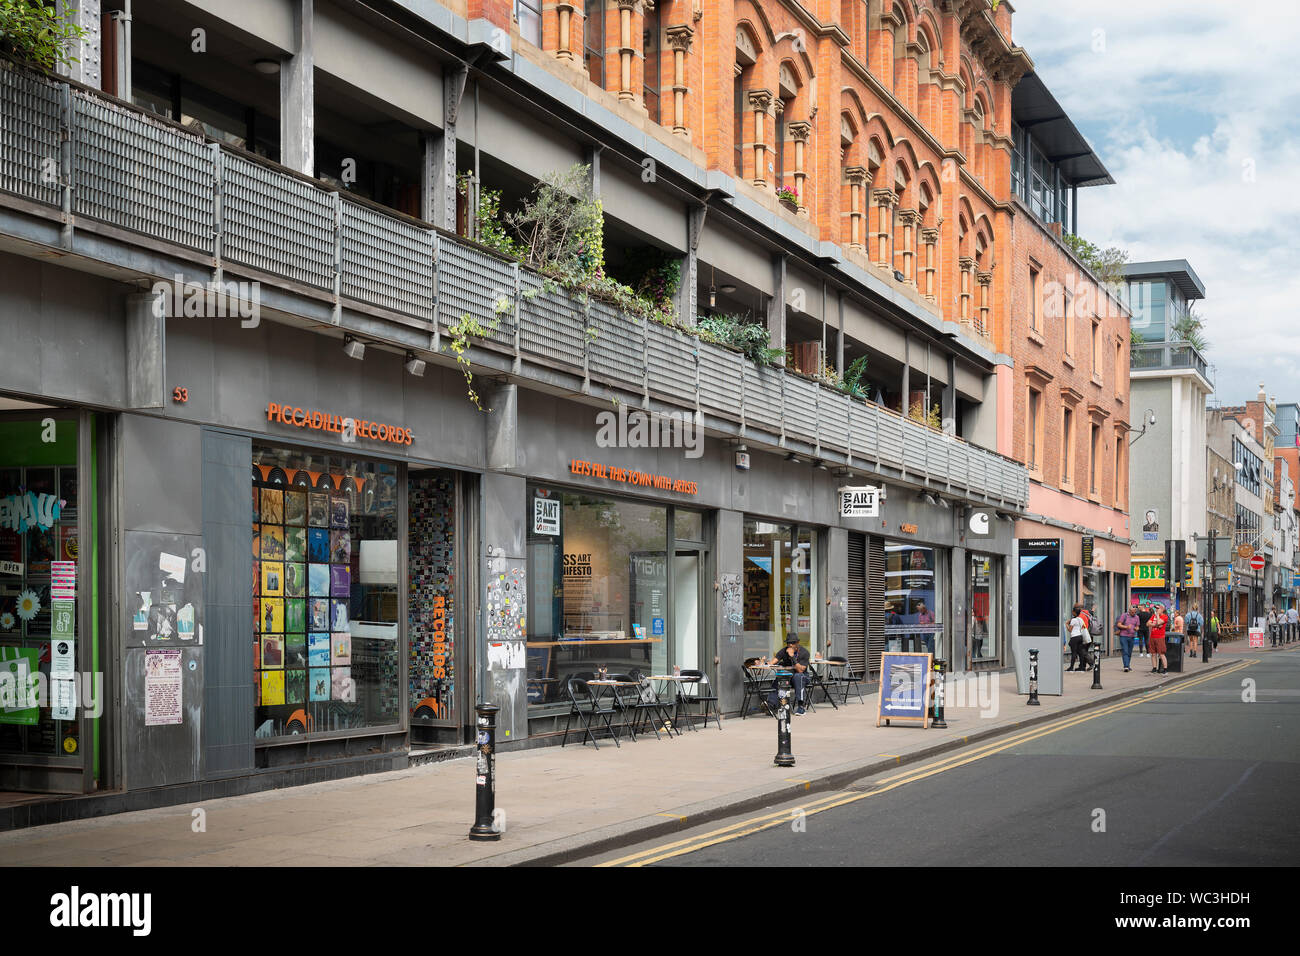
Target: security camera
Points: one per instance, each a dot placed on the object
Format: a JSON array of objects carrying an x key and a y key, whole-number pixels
[{"x": 1151, "y": 418}]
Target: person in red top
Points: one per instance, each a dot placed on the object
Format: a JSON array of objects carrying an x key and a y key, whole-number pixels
[{"x": 1159, "y": 621}]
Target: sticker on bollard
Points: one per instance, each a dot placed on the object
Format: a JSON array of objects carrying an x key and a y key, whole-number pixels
[
  {"x": 1096, "y": 666},
  {"x": 937, "y": 684},
  {"x": 1033, "y": 700},
  {"x": 784, "y": 684},
  {"x": 485, "y": 785}
]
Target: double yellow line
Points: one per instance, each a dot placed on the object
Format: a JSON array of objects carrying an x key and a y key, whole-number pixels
[{"x": 781, "y": 817}]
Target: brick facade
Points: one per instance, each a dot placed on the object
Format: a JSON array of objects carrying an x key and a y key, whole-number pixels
[
  {"x": 901, "y": 113},
  {"x": 1076, "y": 359}
]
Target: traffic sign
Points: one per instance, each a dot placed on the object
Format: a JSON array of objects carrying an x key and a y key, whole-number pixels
[{"x": 1257, "y": 563}]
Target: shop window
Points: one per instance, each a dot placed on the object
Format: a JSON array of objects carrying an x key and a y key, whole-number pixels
[
  {"x": 913, "y": 599},
  {"x": 780, "y": 581},
  {"x": 602, "y": 591},
  {"x": 985, "y": 619},
  {"x": 40, "y": 496},
  {"x": 325, "y": 600}
]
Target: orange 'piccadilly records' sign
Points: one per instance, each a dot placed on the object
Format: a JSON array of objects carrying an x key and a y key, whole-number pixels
[
  {"x": 629, "y": 476},
  {"x": 326, "y": 422}
]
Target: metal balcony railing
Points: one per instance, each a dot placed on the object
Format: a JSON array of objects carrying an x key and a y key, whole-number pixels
[
  {"x": 1169, "y": 355},
  {"x": 75, "y": 155}
]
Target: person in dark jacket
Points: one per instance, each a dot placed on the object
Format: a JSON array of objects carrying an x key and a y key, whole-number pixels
[{"x": 1144, "y": 630}]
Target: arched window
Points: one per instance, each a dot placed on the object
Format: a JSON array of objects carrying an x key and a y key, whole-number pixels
[{"x": 900, "y": 51}]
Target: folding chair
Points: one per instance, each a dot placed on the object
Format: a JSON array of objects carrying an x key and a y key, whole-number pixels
[
  {"x": 626, "y": 701},
  {"x": 584, "y": 706},
  {"x": 649, "y": 708},
  {"x": 846, "y": 679},
  {"x": 709, "y": 702},
  {"x": 816, "y": 683},
  {"x": 756, "y": 689}
]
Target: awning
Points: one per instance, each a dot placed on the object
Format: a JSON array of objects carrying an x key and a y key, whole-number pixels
[{"x": 1035, "y": 110}]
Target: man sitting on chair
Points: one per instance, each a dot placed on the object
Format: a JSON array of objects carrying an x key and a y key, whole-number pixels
[{"x": 795, "y": 657}]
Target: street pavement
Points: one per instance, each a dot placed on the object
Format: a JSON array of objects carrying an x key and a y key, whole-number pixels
[
  {"x": 561, "y": 804},
  {"x": 1205, "y": 774}
]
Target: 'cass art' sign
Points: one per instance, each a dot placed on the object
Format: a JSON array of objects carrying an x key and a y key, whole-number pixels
[{"x": 860, "y": 502}]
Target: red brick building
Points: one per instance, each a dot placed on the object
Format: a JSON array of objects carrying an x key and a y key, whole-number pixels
[{"x": 891, "y": 121}]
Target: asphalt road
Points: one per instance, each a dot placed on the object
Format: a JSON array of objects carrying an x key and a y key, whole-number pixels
[{"x": 1196, "y": 777}]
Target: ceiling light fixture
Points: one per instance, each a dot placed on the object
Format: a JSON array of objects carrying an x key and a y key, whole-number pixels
[
  {"x": 354, "y": 348},
  {"x": 267, "y": 66},
  {"x": 415, "y": 365},
  {"x": 713, "y": 289},
  {"x": 728, "y": 289}
]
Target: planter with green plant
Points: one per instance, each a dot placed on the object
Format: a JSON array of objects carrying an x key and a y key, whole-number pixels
[{"x": 788, "y": 197}]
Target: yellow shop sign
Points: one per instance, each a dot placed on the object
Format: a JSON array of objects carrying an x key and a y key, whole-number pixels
[{"x": 1147, "y": 574}]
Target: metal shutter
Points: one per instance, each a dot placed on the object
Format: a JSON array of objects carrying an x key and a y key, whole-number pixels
[
  {"x": 875, "y": 603},
  {"x": 857, "y": 616}
]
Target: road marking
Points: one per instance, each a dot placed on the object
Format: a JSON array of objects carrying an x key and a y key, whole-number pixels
[{"x": 781, "y": 817}]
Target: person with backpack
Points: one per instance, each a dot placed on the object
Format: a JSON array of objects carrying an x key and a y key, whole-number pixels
[
  {"x": 1211, "y": 641},
  {"x": 1194, "y": 623}
]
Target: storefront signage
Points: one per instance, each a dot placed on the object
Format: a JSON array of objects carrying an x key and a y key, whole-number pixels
[
  {"x": 1086, "y": 557},
  {"x": 341, "y": 425},
  {"x": 904, "y": 688},
  {"x": 628, "y": 476},
  {"x": 1147, "y": 574},
  {"x": 546, "y": 516},
  {"x": 1256, "y": 636},
  {"x": 860, "y": 502},
  {"x": 11, "y": 567},
  {"x": 439, "y": 639},
  {"x": 908, "y": 529},
  {"x": 980, "y": 523}
]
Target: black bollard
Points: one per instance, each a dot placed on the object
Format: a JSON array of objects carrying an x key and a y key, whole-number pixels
[
  {"x": 939, "y": 667},
  {"x": 1205, "y": 648},
  {"x": 784, "y": 756},
  {"x": 1096, "y": 665},
  {"x": 485, "y": 800},
  {"x": 1033, "y": 678}
]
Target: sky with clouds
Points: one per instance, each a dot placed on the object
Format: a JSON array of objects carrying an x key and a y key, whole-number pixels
[{"x": 1194, "y": 107}]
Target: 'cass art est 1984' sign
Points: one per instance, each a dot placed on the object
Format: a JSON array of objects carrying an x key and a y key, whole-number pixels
[{"x": 860, "y": 502}]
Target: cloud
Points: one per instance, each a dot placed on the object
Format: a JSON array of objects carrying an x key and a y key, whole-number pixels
[{"x": 1190, "y": 105}]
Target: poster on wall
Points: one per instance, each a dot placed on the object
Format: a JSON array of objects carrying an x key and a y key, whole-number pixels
[
  {"x": 162, "y": 687},
  {"x": 18, "y": 690}
]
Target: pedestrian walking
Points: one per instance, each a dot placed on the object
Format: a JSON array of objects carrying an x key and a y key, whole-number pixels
[
  {"x": 1126, "y": 626},
  {"x": 1077, "y": 627},
  {"x": 1272, "y": 626},
  {"x": 1157, "y": 624},
  {"x": 1195, "y": 624},
  {"x": 1144, "y": 627},
  {"x": 1292, "y": 620}
]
